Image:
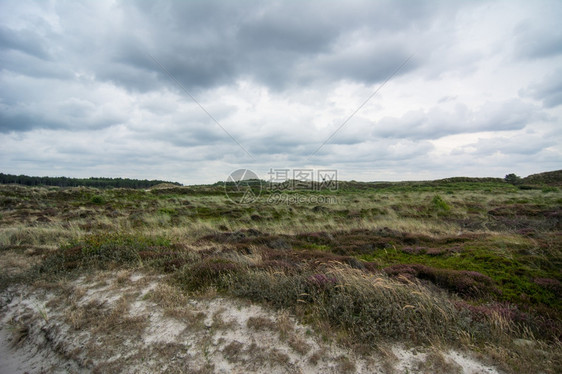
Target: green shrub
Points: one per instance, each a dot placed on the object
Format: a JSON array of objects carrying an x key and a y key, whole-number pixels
[
  {"x": 549, "y": 189},
  {"x": 206, "y": 273},
  {"x": 97, "y": 199},
  {"x": 280, "y": 291},
  {"x": 169, "y": 211},
  {"x": 99, "y": 251},
  {"x": 512, "y": 179},
  {"x": 440, "y": 204}
]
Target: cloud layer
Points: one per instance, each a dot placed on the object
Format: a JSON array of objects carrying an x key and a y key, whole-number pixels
[{"x": 190, "y": 91}]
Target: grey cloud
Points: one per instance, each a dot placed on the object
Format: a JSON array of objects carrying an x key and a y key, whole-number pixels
[
  {"x": 185, "y": 126},
  {"x": 215, "y": 43},
  {"x": 207, "y": 135},
  {"x": 129, "y": 77},
  {"x": 71, "y": 114},
  {"x": 11, "y": 121},
  {"x": 522, "y": 145},
  {"x": 275, "y": 32},
  {"x": 278, "y": 144},
  {"x": 195, "y": 68},
  {"x": 549, "y": 90},
  {"x": 540, "y": 39},
  {"x": 369, "y": 64},
  {"x": 31, "y": 66},
  {"x": 538, "y": 35},
  {"x": 341, "y": 43},
  {"x": 25, "y": 41},
  {"x": 436, "y": 123},
  {"x": 377, "y": 152}
]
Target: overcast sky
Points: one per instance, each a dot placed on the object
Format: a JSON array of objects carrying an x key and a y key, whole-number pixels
[{"x": 102, "y": 88}]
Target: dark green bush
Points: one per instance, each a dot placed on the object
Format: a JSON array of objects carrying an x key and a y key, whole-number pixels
[
  {"x": 97, "y": 199},
  {"x": 512, "y": 179}
]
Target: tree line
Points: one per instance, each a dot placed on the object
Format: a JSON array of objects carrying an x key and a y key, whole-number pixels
[{"x": 76, "y": 182}]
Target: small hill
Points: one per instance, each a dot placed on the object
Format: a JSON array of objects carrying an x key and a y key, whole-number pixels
[
  {"x": 551, "y": 178},
  {"x": 163, "y": 185}
]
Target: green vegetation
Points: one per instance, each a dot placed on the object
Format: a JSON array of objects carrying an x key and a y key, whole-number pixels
[
  {"x": 96, "y": 199},
  {"x": 460, "y": 262},
  {"x": 552, "y": 178},
  {"x": 85, "y": 182}
]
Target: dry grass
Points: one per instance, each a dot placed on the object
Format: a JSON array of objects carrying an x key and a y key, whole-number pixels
[
  {"x": 104, "y": 320},
  {"x": 233, "y": 351},
  {"x": 316, "y": 357},
  {"x": 299, "y": 345},
  {"x": 168, "y": 297},
  {"x": 284, "y": 324},
  {"x": 276, "y": 357},
  {"x": 345, "y": 365},
  {"x": 356, "y": 302},
  {"x": 19, "y": 332},
  {"x": 261, "y": 324},
  {"x": 14, "y": 262},
  {"x": 175, "y": 304},
  {"x": 24, "y": 235},
  {"x": 220, "y": 321}
]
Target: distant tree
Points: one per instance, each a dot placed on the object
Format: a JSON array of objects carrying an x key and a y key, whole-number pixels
[
  {"x": 73, "y": 182},
  {"x": 512, "y": 179}
]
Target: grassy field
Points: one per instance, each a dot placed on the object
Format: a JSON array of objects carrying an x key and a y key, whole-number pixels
[{"x": 470, "y": 263}]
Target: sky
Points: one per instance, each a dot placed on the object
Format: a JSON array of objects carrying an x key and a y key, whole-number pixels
[{"x": 190, "y": 91}]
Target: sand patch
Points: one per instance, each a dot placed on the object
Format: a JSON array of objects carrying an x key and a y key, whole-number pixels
[{"x": 135, "y": 322}]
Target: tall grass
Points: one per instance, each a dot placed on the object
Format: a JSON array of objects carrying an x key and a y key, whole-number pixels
[
  {"x": 25, "y": 235},
  {"x": 368, "y": 307}
]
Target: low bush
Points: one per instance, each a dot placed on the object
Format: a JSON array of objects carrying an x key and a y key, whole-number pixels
[
  {"x": 97, "y": 199},
  {"x": 206, "y": 273},
  {"x": 462, "y": 282},
  {"x": 100, "y": 251},
  {"x": 369, "y": 307},
  {"x": 440, "y": 204}
]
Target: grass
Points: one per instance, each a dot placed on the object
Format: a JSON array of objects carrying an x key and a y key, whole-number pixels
[
  {"x": 513, "y": 273},
  {"x": 19, "y": 333},
  {"x": 460, "y": 262}
]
